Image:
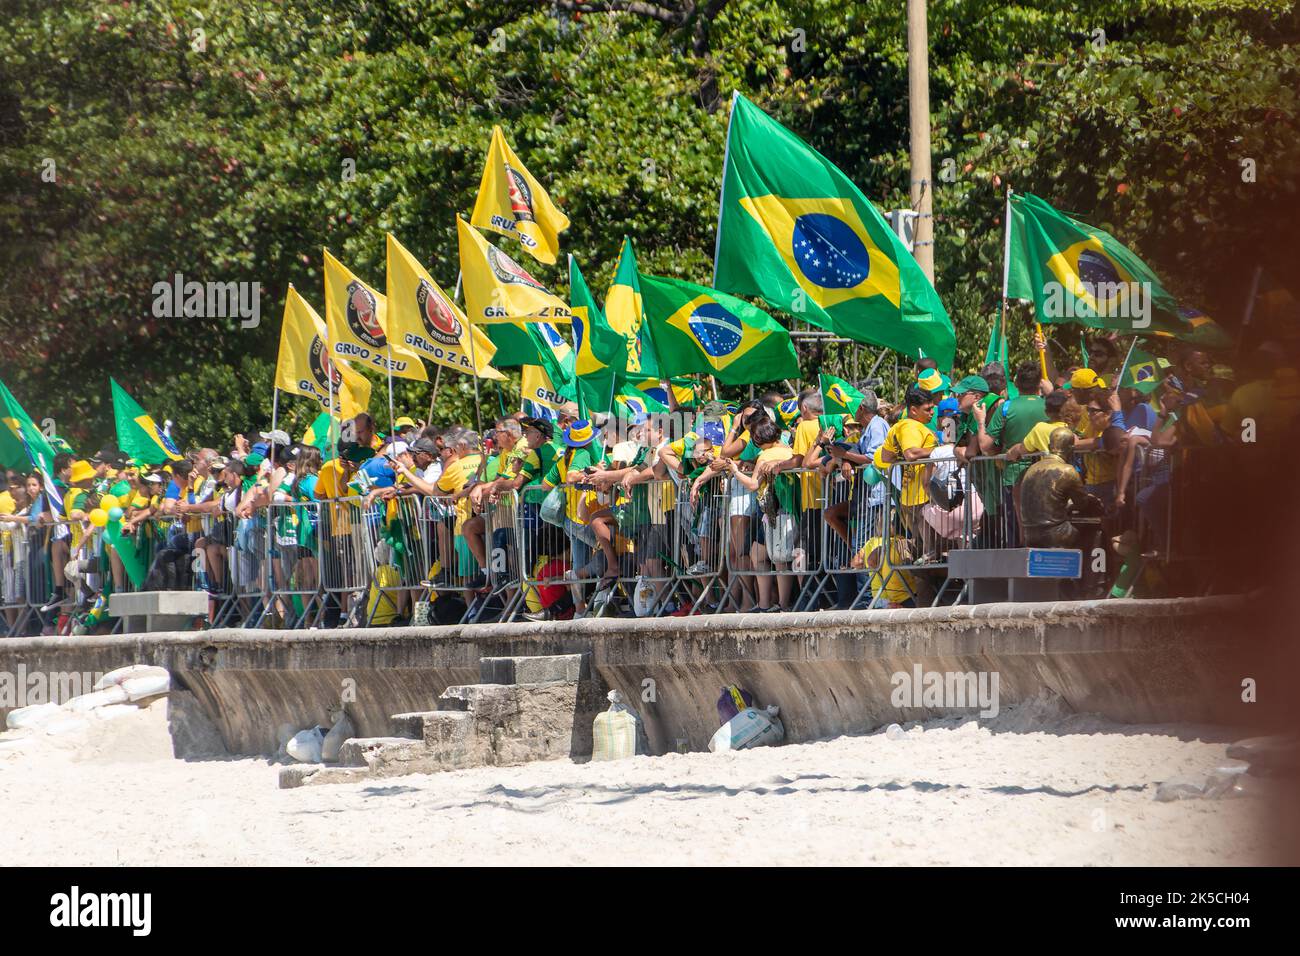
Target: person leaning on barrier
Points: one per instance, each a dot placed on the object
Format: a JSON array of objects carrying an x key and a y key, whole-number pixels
[
  {"x": 775, "y": 492},
  {"x": 1052, "y": 493},
  {"x": 851, "y": 461},
  {"x": 911, "y": 439}
]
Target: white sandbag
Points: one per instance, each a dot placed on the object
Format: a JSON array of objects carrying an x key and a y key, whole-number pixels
[
  {"x": 138, "y": 688},
  {"x": 129, "y": 672},
  {"x": 749, "y": 728},
  {"x": 305, "y": 747},
  {"x": 341, "y": 731},
  {"x": 617, "y": 732},
  {"x": 32, "y": 716},
  {"x": 112, "y": 694}
]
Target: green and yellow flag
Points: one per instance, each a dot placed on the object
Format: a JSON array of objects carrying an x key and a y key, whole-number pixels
[
  {"x": 137, "y": 434},
  {"x": 600, "y": 353},
  {"x": 701, "y": 330},
  {"x": 23, "y": 446},
  {"x": 536, "y": 387},
  {"x": 1142, "y": 373},
  {"x": 634, "y": 404},
  {"x": 625, "y": 314},
  {"x": 304, "y": 366},
  {"x": 793, "y": 229},
  {"x": 357, "y": 318},
  {"x": 512, "y": 202},
  {"x": 838, "y": 396},
  {"x": 1074, "y": 272},
  {"x": 426, "y": 320}
]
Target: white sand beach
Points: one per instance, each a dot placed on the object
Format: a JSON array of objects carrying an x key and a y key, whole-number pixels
[{"x": 1075, "y": 791}]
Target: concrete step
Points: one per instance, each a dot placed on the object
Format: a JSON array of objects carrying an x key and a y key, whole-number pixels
[
  {"x": 365, "y": 751},
  {"x": 541, "y": 669}
]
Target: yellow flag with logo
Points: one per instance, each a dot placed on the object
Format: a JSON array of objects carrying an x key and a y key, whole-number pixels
[
  {"x": 425, "y": 319},
  {"x": 304, "y": 366},
  {"x": 511, "y": 202},
  {"x": 499, "y": 290},
  {"x": 537, "y": 387},
  {"x": 356, "y": 316}
]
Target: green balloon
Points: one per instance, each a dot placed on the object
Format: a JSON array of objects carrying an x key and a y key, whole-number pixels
[{"x": 114, "y": 514}]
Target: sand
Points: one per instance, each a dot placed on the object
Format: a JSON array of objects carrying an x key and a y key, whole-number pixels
[{"x": 1074, "y": 791}]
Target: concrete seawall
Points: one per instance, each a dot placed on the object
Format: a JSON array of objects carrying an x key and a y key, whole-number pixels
[{"x": 1131, "y": 661}]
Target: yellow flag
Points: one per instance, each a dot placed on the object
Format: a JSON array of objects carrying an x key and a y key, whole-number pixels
[
  {"x": 498, "y": 290},
  {"x": 304, "y": 366},
  {"x": 510, "y": 201},
  {"x": 356, "y": 316},
  {"x": 536, "y": 386},
  {"x": 425, "y": 319}
]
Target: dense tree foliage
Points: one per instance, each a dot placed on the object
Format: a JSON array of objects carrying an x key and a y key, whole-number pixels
[{"x": 212, "y": 138}]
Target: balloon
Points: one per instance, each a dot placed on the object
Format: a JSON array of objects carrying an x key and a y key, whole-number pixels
[
  {"x": 99, "y": 517},
  {"x": 114, "y": 514},
  {"x": 109, "y": 502},
  {"x": 871, "y": 475}
]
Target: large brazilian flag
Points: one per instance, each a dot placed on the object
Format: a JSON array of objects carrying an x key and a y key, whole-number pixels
[
  {"x": 794, "y": 230},
  {"x": 1077, "y": 273},
  {"x": 701, "y": 330},
  {"x": 137, "y": 433}
]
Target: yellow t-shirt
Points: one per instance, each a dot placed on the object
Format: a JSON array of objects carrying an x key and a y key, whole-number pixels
[
  {"x": 1099, "y": 467},
  {"x": 1036, "y": 440},
  {"x": 331, "y": 483},
  {"x": 805, "y": 436},
  {"x": 7, "y": 506},
  {"x": 904, "y": 434},
  {"x": 885, "y": 585},
  {"x": 454, "y": 477},
  {"x": 775, "y": 453}
]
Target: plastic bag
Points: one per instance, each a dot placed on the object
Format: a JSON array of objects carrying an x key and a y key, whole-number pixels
[
  {"x": 749, "y": 728},
  {"x": 112, "y": 694},
  {"x": 732, "y": 701},
  {"x": 306, "y": 745},
  {"x": 553, "y": 507},
  {"x": 138, "y": 688},
  {"x": 128, "y": 672},
  {"x": 32, "y": 716},
  {"x": 782, "y": 536}
]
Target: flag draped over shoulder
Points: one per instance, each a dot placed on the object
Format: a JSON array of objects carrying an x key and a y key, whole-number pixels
[
  {"x": 600, "y": 353},
  {"x": 1074, "y": 272},
  {"x": 793, "y": 229},
  {"x": 512, "y": 202},
  {"x": 304, "y": 366},
  {"x": 499, "y": 290},
  {"x": 357, "y": 318},
  {"x": 423, "y": 318},
  {"x": 701, "y": 330},
  {"x": 137, "y": 434},
  {"x": 838, "y": 396},
  {"x": 625, "y": 314}
]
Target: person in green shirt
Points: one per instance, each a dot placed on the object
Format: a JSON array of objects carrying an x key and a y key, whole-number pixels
[
  {"x": 1013, "y": 421},
  {"x": 588, "y": 523}
]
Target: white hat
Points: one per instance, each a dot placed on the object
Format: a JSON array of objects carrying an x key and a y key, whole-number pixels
[
  {"x": 277, "y": 437},
  {"x": 398, "y": 448}
]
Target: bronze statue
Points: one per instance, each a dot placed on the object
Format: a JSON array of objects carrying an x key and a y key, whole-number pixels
[{"x": 1051, "y": 492}]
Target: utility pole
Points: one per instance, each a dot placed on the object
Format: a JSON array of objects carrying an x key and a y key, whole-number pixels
[{"x": 918, "y": 98}]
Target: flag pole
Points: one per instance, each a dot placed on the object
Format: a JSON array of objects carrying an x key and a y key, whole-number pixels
[
  {"x": 275, "y": 410},
  {"x": 391, "y": 416},
  {"x": 437, "y": 377},
  {"x": 1119, "y": 377},
  {"x": 473, "y": 364},
  {"x": 1000, "y": 329}
]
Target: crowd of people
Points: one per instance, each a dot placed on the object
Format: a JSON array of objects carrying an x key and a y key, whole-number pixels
[{"x": 768, "y": 504}]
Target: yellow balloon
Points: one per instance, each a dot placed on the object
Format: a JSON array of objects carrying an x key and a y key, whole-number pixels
[
  {"x": 109, "y": 502},
  {"x": 99, "y": 517}
]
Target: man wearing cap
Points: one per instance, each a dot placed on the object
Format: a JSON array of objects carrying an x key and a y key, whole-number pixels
[{"x": 969, "y": 392}]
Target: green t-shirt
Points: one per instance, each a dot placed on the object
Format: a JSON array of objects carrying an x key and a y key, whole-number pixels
[
  {"x": 537, "y": 467},
  {"x": 1012, "y": 422}
]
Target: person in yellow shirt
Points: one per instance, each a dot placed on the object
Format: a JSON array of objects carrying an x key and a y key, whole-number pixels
[
  {"x": 909, "y": 440},
  {"x": 889, "y": 587}
]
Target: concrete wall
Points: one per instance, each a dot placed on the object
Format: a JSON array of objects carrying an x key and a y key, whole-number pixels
[{"x": 830, "y": 672}]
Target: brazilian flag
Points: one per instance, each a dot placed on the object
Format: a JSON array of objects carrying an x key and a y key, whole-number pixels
[
  {"x": 137, "y": 433},
  {"x": 838, "y": 396},
  {"x": 793, "y": 229},
  {"x": 701, "y": 330},
  {"x": 599, "y": 353},
  {"x": 625, "y": 314},
  {"x": 1142, "y": 373},
  {"x": 633, "y": 403},
  {"x": 1074, "y": 272},
  {"x": 533, "y": 343}
]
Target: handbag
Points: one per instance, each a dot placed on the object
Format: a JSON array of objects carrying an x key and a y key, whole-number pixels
[
  {"x": 782, "y": 536},
  {"x": 553, "y": 507}
]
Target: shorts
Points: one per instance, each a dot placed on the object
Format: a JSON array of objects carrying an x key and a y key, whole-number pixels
[
  {"x": 743, "y": 503},
  {"x": 651, "y": 542}
]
